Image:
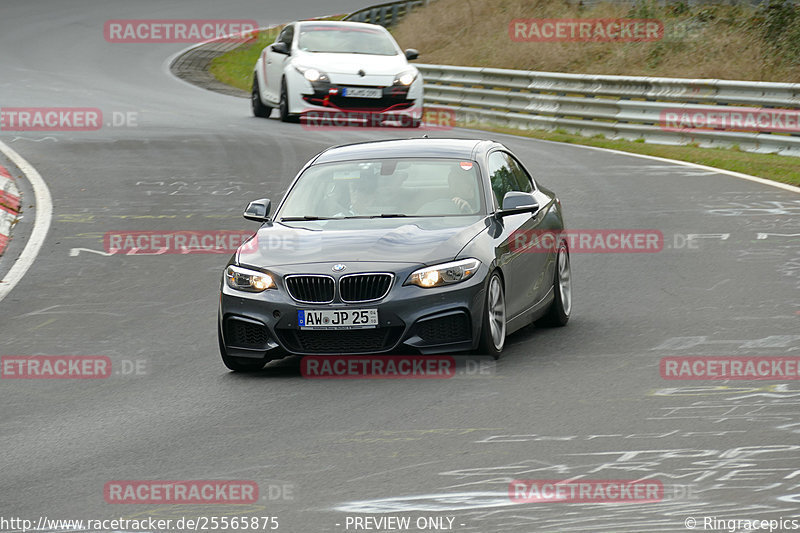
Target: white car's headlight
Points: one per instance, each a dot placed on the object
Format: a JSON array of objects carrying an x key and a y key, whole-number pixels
[
  {"x": 244, "y": 279},
  {"x": 405, "y": 78},
  {"x": 312, "y": 74},
  {"x": 444, "y": 274}
]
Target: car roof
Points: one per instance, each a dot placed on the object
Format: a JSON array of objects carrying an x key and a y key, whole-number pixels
[
  {"x": 335, "y": 23},
  {"x": 434, "y": 148}
]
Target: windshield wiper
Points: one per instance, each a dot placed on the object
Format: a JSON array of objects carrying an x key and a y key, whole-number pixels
[
  {"x": 347, "y": 52},
  {"x": 304, "y": 217},
  {"x": 383, "y": 215}
]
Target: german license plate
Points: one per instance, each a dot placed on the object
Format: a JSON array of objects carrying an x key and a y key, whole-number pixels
[
  {"x": 337, "y": 319},
  {"x": 361, "y": 92}
]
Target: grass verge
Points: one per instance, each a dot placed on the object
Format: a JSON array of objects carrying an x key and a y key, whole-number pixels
[
  {"x": 785, "y": 169},
  {"x": 706, "y": 40}
]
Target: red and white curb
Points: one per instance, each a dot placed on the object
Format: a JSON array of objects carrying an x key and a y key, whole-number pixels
[{"x": 9, "y": 206}]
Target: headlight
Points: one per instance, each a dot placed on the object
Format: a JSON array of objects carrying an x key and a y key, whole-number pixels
[
  {"x": 312, "y": 74},
  {"x": 405, "y": 78},
  {"x": 243, "y": 279},
  {"x": 444, "y": 274}
]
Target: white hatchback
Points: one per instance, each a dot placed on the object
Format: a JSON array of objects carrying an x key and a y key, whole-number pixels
[{"x": 346, "y": 68}]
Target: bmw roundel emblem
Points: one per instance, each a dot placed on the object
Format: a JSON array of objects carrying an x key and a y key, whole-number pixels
[{"x": 338, "y": 267}]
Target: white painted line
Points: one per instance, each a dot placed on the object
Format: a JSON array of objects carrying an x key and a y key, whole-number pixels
[
  {"x": 44, "y": 214},
  {"x": 739, "y": 175}
]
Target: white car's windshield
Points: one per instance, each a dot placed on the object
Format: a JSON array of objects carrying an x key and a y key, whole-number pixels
[
  {"x": 345, "y": 40},
  {"x": 386, "y": 188}
]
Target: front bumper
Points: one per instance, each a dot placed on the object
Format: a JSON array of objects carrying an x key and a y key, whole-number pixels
[
  {"x": 411, "y": 319},
  {"x": 328, "y": 97}
]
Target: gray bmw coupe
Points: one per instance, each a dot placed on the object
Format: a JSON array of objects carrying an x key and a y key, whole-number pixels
[{"x": 417, "y": 246}]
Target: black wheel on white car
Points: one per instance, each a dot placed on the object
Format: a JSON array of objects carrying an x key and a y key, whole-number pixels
[
  {"x": 283, "y": 105},
  {"x": 493, "y": 329},
  {"x": 560, "y": 309},
  {"x": 258, "y": 107}
]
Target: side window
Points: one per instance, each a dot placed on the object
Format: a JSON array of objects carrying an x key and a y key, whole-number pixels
[
  {"x": 503, "y": 177},
  {"x": 287, "y": 34},
  {"x": 521, "y": 176}
]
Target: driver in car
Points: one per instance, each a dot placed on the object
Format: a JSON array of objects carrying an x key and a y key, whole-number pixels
[
  {"x": 361, "y": 192},
  {"x": 461, "y": 184}
]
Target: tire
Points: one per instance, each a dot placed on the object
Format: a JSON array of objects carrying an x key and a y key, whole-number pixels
[
  {"x": 493, "y": 328},
  {"x": 259, "y": 109},
  {"x": 283, "y": 106},
  {"x": 560, "y": 309},
  {"x": 238, "y": 364}
]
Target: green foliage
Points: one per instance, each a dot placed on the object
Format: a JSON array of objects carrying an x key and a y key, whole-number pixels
[
  {"x": 644, "y": 9},
  {"x": 779, "y": 24},
  {"x": 678, "y": 9}
]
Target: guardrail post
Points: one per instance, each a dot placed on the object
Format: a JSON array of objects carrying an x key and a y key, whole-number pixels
[{"x": 395, "y": 15}]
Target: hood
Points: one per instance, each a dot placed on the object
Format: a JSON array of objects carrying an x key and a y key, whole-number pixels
[
  {"x": 372, "y": 65},
  {"x": 425, "y": 241}
]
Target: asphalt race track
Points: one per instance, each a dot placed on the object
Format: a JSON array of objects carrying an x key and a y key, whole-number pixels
[{"x": 586, "y": 401}]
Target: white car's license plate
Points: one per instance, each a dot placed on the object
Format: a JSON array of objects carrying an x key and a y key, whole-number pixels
[
  {"x": 337, "y": 319},
  {"x": 361, "y": 92}
]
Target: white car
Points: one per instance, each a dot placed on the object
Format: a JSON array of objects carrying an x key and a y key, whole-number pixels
[{"x": 346, "y": 68}]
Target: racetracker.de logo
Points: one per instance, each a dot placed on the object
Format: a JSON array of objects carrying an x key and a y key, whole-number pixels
[
  {"x": 50, "y": 119},
  {"x": 433, "y": 119},
  {"x": 181, "y": 492},
  {"x": 731, "y": 119},
  {"x": 585, "y": 491},
  {"x": 176, "y": 242},
  {"x": 55, "y": 366},
  {"x": 179, "y": 31},
  {"x": 730, "y": 367},
  {"x": 378, "y": 367},
  {"x": 585, "y": 30},
  {"x": 620, "y": 241}
]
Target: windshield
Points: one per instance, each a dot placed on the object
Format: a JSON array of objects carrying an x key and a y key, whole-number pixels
[
  {"x": 345, "y": 40},
  {"x": 386, "y": 188}
]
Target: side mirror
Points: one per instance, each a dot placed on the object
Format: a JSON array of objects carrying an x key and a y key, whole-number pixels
[
  {"x": 258, "y": 211},
  {"x": 515, "y": 202},
  {"x": 281, "y": 48},
  {"x": 411, "y": 54}
]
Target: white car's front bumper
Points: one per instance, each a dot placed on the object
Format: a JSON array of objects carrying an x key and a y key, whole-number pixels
[{"x": 325, "y": 97}]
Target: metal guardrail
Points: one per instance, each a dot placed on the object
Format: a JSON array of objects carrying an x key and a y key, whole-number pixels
[
  {"x": 385, "y": 14},
  {"x": 626, "y": 107}
]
